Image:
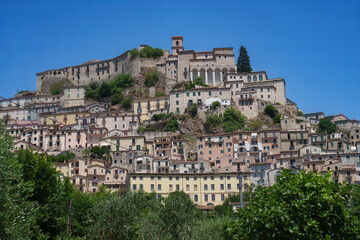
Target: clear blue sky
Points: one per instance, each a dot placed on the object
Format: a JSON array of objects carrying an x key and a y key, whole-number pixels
[{"x": 314, "y": 45}]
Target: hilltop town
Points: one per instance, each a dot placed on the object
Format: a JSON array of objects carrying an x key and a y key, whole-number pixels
[{"x": 161, "y": 121}]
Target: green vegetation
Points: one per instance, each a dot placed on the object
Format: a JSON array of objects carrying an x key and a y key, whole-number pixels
[
  {"x": 300, "y": 113},
  {"x": 199, "y": 81},
  {"x": 113, "y": 90},
  {"x": 277, "y": 118},
  {"x": 62, "y": 157},
  {"x": 160, "y": 94},
  {"x": 297, "y": 206},
  {"x": 326, "y": 125},
  {"x": 231, "y": 121},
  {"x": 34, "y": 204},
  {"x": 270, "y": 111},
  {"x": 126, "y": 103},
  {"x": 151, "y": 78},
  {"x": 192, "y": 110},
  {"x": 172, "y": 125},
  {"x": 212, "y": 121},
  {"x": 161, "y": 116},
  {"x": 215, "y": 104},
  {"x": 57, "y": 88},
  {"x": 243, "y": 62},
  {"x": 146, "y": 52},
  {"x": 117, "y": 98},
  {"x": 299, "y": 120}
]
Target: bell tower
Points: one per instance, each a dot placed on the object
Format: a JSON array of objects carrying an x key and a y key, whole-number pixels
[{"x": 177, "y": 44}]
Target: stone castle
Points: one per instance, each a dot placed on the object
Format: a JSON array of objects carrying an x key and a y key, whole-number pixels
[{"x": 181, "y": 65}]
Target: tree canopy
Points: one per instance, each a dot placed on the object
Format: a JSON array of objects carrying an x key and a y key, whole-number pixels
[
  {"x": 326, "y": 125},
  {"x": 243, "y": 62},
  {"x": 270, "y": 111},
  {"x": 297, "y": 206}
]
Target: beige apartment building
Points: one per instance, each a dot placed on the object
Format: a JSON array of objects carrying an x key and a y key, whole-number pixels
[
  {"x": 293, "y": 140},
  {"x": 88, "y": 175},
  {"x": 204, "y": 189},
  {"x": 181, "y": 100},
  {"x": 147, "y": 107}
]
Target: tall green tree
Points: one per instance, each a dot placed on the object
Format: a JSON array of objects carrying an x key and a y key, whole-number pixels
[
  {"x": 326, "y": 125},
  {"x": 297, "y": 206},
  {"x": 18, "y": 211},
  {"x": 243, "y": 63}
]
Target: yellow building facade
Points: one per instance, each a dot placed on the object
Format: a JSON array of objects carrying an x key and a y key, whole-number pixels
[
  {"x": 204, "y": 189},
  {"x": 62, "y": 118},
  {"x": 146, "y": 108}
]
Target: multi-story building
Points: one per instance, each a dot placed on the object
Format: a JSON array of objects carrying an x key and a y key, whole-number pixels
[
  {"x": 181, "y": 100},
  {"x": 147, "y": 107},
  {"x": 293, "y": 140},
  {"x": 204, "y": 189}
]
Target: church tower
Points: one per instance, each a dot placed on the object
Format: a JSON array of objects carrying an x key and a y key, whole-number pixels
[{"x": 177, "y": 45}]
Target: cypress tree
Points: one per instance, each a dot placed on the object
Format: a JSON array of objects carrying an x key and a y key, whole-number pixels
[{"x": 243, "y": 63}]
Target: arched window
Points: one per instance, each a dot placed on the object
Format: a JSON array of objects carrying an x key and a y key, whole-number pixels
[
  {"x": 249, "y": 79},
  {"x": 177, "y": 43},
  {"x": 260, "y": 77},
  {"x": 255, "y": 78}
]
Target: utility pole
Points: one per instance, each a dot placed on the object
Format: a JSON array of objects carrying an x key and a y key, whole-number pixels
[{"x": 240, "y": 189}]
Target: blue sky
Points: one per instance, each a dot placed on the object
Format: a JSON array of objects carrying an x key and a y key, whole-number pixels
[{"x": 314, "y": 45}]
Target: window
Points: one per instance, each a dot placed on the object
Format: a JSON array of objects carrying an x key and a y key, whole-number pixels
[
  {"x": 196, "y": 198},
  {"x": 134, "y": 186},
  {"x": 249, "y": 79},
  {"x": 255, "y": 78},
  {"x": 194, "y": 94},
  {"x": 260, "y": 77},
  {"x": 159, "y": 187},
  {"x": 209, "y": 93},
  {"x": 229, "y": 186},
  {"x": 152, "y": 187},
  {"x": 212, "y": 186},
  {"x": 213, "y": 197},
  {"x": 177, "y": 95},
  {"x": 221, "y": 186},
  {"x": 187, "y": 94},
  {"x": 205, "y": 187},
  {"x": 222, "y": 197},
  {"x": 206, "y": 197}
]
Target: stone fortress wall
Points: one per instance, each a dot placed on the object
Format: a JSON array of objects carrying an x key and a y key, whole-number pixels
[{"x": 181, "y": 65}]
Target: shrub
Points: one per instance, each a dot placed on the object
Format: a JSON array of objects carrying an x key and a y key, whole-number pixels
[
  {"x": 93, "y": 86},
  {"x": 105, "y": 90},
  {"x": 234, "y": 117},
  {"x": 199, "y": 81},
  {"x": 277, "y": 118},
  {"x": 150, "y": 52},
  {"x": 92, "y": 94},
  {"x": 212, "y": 121},
  {"x": 172, "y": 125},
  {"x": 299, "y": 120},
  {"x": 151, "y": 78},
  {"x": 160, "y": 116},
  {"x": 126, "y": 103},
  {"x": 122, "y": 81},
  {"x": 134, "y": 53},
  {"x": 270, "y": 111},
  {"x": 326, "y": 125},
  {"x": 160, "y": 94},
  {"x": 193, "y": 110},
  {"x": 300, "y": 112},
  {"x": 215, "y": 104},
  {"x": 56, "y": 88},
  {"x": 116, "y": 98}
]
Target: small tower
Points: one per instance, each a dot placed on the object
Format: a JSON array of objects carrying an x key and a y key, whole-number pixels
[{"x": 177, "y": 44}]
